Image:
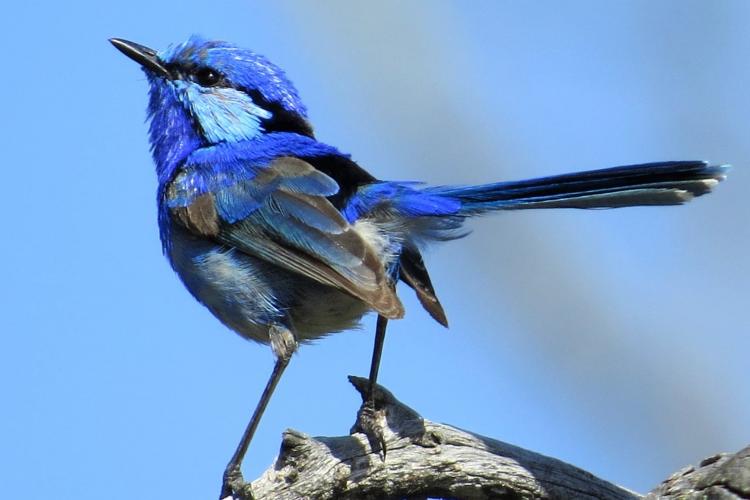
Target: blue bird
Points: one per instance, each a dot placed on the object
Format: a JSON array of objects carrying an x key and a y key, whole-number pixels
[{"x": 286, "y": 239}]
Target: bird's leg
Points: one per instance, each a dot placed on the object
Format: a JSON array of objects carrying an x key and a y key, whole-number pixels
[
  {"x": 377, "y": 352},
  {"x": 370, "y": 420},
  {"x": 283, "y": 344}
]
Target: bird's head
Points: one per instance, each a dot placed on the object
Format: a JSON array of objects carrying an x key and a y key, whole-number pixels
[{"x": 216, "y": 92}]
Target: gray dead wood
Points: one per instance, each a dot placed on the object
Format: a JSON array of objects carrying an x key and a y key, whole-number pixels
[
  {"x": 720, "y": 477},
  {"x": 424, "y": 459}
]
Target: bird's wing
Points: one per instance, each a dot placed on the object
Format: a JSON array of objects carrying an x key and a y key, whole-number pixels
[{"x": 279, "y": 213}]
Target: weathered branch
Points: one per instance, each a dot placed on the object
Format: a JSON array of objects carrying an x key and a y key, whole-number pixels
[
  {"x": 423, "y": 459},
  {"x": 721, "y": 477}
]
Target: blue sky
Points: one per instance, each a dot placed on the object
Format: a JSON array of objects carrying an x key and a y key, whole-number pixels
[{"x": 615, "y": 340}]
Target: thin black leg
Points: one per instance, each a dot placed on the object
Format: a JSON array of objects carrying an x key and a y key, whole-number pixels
[
  {"x": 233, "y": 468},
  {"x": 377, "y": 352},
  {"x": 370, "y": 421}
]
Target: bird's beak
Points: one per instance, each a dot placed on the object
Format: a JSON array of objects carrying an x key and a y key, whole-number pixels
[{"x": 142, "y": 55}]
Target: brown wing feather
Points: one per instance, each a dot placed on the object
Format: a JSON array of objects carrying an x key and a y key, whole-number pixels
[
  {"x": 414, "y": 273},
  {"x": 363, "y": 276},
  {"x": 381, "y": 297},
  {"x": 200, "y": 216}
]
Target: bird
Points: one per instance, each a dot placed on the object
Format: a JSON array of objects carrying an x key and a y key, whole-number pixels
[{"x": 286, "y": 239}]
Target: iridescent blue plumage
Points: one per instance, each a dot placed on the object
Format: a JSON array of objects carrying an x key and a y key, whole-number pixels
[
  {"x": 219, "y": 168},
  {"x": 239, "y": 167},
  {"x": 286, "y": 239},
  {"x": 243, "y": 68}
]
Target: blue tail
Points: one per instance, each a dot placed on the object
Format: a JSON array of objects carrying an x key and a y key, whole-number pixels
[
  {"x": 426, "y": 215},
  {"x": 664, "y": 183}
]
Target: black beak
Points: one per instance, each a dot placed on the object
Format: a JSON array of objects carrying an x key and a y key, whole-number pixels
[{"x": 142, "y": 55}]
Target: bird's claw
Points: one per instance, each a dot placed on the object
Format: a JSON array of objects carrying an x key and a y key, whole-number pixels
[
  {"x": 234, "y": 487},
  {"x": 372, "y": 422}
]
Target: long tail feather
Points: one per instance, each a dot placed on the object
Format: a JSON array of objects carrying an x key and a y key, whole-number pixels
[{"x": 664, "y": 183}]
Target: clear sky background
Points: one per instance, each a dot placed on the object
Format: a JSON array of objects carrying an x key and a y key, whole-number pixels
[{"x": 614, "y": 340}]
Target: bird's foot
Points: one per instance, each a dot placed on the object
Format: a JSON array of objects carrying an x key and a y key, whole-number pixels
[
  {"x": 234, "y": 487},
  {"x": 371, "y": 417},
  {"x": 371, "y": 421}
]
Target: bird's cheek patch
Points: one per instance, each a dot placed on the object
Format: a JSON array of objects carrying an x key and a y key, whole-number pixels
[{"x": 225, "y": 114}]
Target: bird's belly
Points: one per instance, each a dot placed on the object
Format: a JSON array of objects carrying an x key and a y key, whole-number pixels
[
  {"x": 249, "y": 295},
  {"x": 320, "y": 310}
]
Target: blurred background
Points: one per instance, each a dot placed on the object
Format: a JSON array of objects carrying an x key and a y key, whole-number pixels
[{"x": 614, "y": 340}]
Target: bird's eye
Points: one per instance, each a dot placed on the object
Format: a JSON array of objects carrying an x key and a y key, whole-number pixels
[{"x": 207, "y": 77}]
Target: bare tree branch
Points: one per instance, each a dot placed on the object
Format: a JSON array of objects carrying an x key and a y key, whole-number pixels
[
  {"x": 722, "y": 477},
  {"x": 424, "y": 459}
]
